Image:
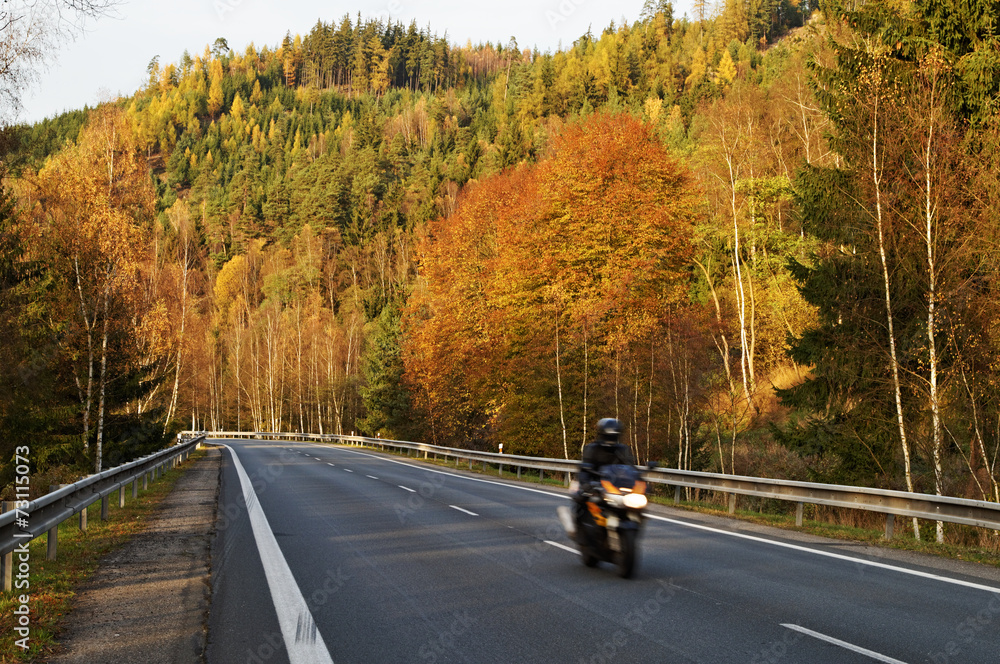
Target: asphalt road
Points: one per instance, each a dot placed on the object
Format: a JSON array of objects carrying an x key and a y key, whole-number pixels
[{"x": 344, "y": 555}]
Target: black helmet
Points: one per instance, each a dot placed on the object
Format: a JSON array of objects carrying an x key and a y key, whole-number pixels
[{"x": 609, "y": 429}]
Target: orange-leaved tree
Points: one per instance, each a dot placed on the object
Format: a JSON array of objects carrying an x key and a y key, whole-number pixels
[{"x": 543, "y": 283}]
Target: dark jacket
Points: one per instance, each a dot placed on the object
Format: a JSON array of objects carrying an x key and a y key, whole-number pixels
[{"x": 602, "y": 453}]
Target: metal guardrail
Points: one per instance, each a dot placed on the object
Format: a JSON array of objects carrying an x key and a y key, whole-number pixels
[
  {"x": 964, "y": 511},
  {"x": 45, "y": 513}
]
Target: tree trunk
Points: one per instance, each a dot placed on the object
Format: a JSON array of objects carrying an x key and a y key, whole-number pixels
[
  {"x": 930, "y": 222},
  {"x": 586, "y": 378},
  {"x": 99, "y": 447},
  {"x": 88, "y": 325},
  {"x": 180, "y": 340},
  {"x": 562, "y": 412},
  {"x": 876, "y": 175}
]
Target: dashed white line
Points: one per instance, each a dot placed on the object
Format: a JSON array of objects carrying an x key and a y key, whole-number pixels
[
  {"x": 728, "y": 533},
  {"x": 372, "y": 477},
  {"x": 844, "y": 644},
  {"x": 462, "y": 509},
  {"x": 562, "y": 546},
  {"x": 330, "y": 464},
  {"x": 406, "y": 488},
  {"x": 348, "y": 470}
]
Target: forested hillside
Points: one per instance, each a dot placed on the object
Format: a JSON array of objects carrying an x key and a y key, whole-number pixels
[{"x": 765, "y": 238}]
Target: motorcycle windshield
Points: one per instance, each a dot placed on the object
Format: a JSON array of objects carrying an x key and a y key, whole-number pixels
[{"x": 621, "y": 476}]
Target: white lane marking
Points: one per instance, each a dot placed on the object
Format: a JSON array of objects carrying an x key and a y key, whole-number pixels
[
  {"x": 562, "y": 546},
  {"x": 843, "y": 644},
  {"x": 461, "y": 477},
  {"x": 348, "y": 470},
  {"x": 303, "y": 642},
  {"x": 462, "y": 509},
  {"x": 406, "y": 488},
  {"x": 372, "y": 477},
  {"x": 330, "y": 464},
  {"x": 830, "y": 554},
  {"x": 762, "y": 540}
]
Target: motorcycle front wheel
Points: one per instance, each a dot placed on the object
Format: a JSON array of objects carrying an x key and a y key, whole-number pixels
[{"x": 626, "y": 557}]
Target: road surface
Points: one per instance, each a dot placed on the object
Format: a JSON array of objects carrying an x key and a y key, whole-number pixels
[{"x": 347, "y": 555}]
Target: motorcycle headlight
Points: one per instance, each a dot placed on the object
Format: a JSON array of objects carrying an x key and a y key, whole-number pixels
[{"x": 635, "y": 500}]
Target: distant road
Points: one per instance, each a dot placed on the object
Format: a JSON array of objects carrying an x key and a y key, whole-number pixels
[{"x": 401, "y": 563}]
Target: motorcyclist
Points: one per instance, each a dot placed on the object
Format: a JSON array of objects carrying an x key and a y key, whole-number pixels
[{"x": 604, "y": 450}]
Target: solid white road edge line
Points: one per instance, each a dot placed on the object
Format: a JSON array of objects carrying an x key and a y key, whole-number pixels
[
  {"x": 830, "y": 554},
  {"x": 843, "y": 644},
  {"x": 303, "y": 642},
  {"x": 462, "y": 509},
  {"x": 762, "y": 540}
]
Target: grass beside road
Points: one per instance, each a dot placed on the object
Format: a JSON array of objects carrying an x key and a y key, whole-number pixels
[
  {"x": 903, "y": 540},
  {"x": 54, "y": 583}
]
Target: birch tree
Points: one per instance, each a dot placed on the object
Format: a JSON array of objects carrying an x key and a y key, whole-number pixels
[{"x": 95, "y": 198}]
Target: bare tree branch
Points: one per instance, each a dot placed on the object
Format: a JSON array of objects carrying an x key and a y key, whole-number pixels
[{"x": 29, "y": 33}]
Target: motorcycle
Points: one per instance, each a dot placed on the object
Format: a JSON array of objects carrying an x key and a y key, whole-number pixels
[{"x": 607, "y": 529}]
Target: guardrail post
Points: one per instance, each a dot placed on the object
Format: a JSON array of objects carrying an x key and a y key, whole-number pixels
[
  {"x": 52, "y": 539},
  {"x": 798, "y": 514},
  {"x": 470, "y": 463},
  {"x": 518, "y": 472},
  {"x": 890, "y": 524},
  {"x": 104, "y": 508},
  {"x": 83, "y": 520},
  {"x": 7, "y": 562},
  {"x": 145, "y": 480},
  {"x": 121, "y": 496},
  {"x": 677, "y": 495},
  {"x": 567, "y": 479},
  {"x": 732, "y": 503},
  {"x": 135, "y": 488}
]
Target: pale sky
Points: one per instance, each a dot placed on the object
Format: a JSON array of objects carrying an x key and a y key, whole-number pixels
[{"x": 111, "y": 57}]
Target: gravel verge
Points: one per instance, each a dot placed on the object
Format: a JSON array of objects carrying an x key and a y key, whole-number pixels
[{"x": 148, "y": 601}]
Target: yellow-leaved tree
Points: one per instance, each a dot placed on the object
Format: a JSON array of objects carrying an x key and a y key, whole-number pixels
[{"x": 92, "y": 204}]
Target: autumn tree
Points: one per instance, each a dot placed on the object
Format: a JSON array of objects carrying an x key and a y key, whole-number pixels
[
  {"x": 93, "y": 201},
  {"x": 897, "y": 215},
  {"x": 543, "y": 278}
]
